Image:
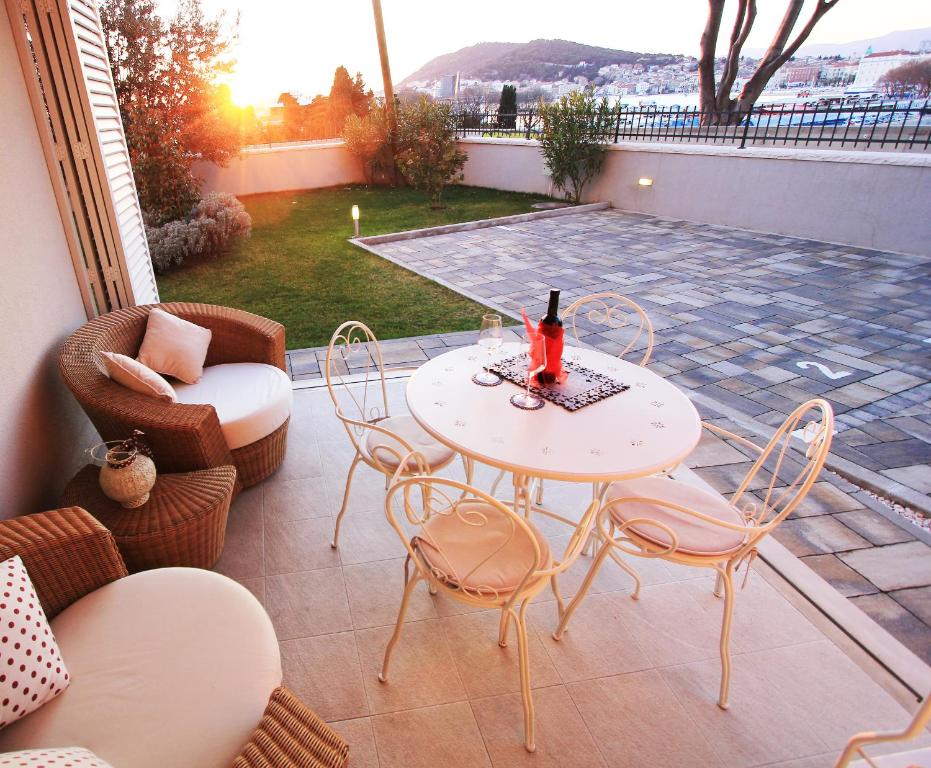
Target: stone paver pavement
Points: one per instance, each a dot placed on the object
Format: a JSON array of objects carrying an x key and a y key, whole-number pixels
[{"x": 757, "y": 322}]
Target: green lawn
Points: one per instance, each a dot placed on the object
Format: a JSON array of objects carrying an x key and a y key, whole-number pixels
[{"x": 298, "y": 268}]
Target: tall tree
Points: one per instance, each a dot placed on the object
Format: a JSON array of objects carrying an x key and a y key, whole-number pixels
[
  {"x": 507, "y": 107},
  {"x": 347, "y": 97},
  {"x": 717, "y": 104},
  {"x": 173, "y": 111}
]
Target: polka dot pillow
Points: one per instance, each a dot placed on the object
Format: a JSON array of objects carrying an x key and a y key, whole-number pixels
[
  {"x": 31, "y": 669},
  {"x": 65, "y": 757}
]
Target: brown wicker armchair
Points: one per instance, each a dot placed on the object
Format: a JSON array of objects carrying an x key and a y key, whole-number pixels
[
  {"x": 184, "y": 438},
  {"x": 68, "y": 555}
]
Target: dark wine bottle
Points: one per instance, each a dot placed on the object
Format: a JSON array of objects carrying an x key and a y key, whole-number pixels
[
  {"x": 552, "y": 310},
  {"x": 551, "y": 328}
]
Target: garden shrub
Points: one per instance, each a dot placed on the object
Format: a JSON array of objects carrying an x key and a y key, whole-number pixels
[
  {"x": 427, "y": 151},
  {"x": 367, "y": 138},
  {"x": 214, "y": 224},
  {"x": 573, "y": 139}
]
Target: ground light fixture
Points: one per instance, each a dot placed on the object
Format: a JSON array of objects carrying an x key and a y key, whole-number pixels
[
  {"x": 355, "y": 219},
  {"x": 645, "y": 181}
]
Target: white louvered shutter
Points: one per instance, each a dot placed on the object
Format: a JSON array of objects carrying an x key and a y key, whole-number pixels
[{"x": 62, "y": 43}]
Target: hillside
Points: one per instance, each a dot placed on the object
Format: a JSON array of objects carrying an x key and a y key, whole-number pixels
[
  {"x": 545, "y": 60},
  {"x": 907, "y": 39}
]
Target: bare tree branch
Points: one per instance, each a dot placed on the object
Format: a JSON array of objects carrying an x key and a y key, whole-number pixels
[
  {"x": 746, "y": 15},
  {"x": 778, "y": 54},
  {"x": 709, "y": 42}
]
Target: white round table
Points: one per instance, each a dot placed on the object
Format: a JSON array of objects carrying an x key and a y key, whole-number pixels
[{"x": 650, "y": 427}]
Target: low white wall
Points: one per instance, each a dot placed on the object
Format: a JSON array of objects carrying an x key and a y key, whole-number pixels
[
  {"x": 42, "y": 429},
  {"x": 865, "y": 199},
  {"x": 277, "y": 169}
]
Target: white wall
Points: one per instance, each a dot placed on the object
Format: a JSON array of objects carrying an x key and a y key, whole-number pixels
[
  {"x": 277, "y": 169},
  {"x": 42, "y": 429},
  {"x": 865, "y": 199}
]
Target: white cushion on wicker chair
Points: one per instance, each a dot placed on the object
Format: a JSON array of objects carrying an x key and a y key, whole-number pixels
[
  {"x": 251, "y": 399},
  {"x": 694, "y": 536},
  {"x": 407, "y": 428},
  {"x": 170, "y": 667}
]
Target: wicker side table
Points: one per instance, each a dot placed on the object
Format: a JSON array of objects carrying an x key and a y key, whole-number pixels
[{"x": 183, "y": 522}]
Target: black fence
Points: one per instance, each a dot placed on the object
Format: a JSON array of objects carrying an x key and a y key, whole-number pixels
[{"x": 893, "y": 126}]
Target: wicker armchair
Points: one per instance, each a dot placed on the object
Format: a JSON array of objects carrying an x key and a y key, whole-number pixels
[
  {"x": 68, "y": 554},
  {"x": 184, "y": 438}
]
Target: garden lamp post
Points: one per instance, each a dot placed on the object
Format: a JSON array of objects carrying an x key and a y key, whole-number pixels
[{"x": 355, "y": 220}]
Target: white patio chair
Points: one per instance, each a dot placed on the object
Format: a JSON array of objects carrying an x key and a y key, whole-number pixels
[
  {"x": 355, "y": 367},
  {"x": 913, "y": 730},
  {"x": 478, "y": 551},
  {"x": 660, "y": 517},
  {"x": 620, "y": 317}
]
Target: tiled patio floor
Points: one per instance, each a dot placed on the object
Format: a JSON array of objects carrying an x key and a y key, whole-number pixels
[{"x": 631, "y": 684}]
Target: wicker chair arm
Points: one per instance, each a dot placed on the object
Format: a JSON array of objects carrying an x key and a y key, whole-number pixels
[
  {"x": 291, "y": 736},
  {"x": 238, "y": 336},
  {"x": 183, "y": 437},
  {"x": 67, "y": 553}
]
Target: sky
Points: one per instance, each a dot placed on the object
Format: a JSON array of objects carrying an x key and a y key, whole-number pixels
[{"x": 295, "y": 45}]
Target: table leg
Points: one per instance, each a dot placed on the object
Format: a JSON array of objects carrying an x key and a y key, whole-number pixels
[{"x": 522, "y": 494}]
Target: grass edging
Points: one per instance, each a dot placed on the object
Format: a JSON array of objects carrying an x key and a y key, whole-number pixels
[{"x": 467, "y": 226}]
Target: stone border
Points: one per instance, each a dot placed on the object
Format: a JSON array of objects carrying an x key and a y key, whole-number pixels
[{"x": 468, "y": 226}]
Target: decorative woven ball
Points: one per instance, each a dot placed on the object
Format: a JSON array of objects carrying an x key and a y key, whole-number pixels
[{"x": 129, "y": 485}]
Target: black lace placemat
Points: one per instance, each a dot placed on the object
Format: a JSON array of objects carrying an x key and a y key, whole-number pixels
[{"x": 582, "y": 386}]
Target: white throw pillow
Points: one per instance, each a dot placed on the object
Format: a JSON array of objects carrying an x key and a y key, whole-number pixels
[
  {"x": 58, "y": 757},
  {"x": 174, "y": 347},
  {"x": 31, "y": 668},
  {"x": 136, "y": 376}
]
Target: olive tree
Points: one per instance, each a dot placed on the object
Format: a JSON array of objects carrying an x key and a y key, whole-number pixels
[{"x": 573, "y": 138}]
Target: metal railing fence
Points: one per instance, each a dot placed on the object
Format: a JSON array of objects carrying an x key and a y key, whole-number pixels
[{"x": 894, "y": 126}]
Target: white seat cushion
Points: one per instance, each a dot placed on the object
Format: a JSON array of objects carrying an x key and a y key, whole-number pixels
[
  {"x": 407, "y": 428},
  {"x": 251, "y": 399},
  {"x": 480, "y": 549},
  {"x": 170, "y": 667},
  {"x": 695, "y": 537}
]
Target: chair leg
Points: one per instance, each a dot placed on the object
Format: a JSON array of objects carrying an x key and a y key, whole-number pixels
[
  {"x": 539, "y": 501},
  {"x": 342, "y": 509},
  {"x": 496, "y": 483},
  {"x": 719, "y": 586},
  {"x": 583, "y": 589},
  {"x": 560, "y": 603},
  {"x": 523, "y": 652},
  {"x": 631, "y": 571},
  {"x": 503, "y": 627},
  {"x": 726, "y": 576},
  {"x": 469, "y": 466},
  {"x": 402, "y": 612}
]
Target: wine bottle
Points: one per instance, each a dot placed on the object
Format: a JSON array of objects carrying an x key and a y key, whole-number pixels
[{"x": 551, "y": 328}]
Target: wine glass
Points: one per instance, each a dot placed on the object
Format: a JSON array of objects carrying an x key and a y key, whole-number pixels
[
  {"x": 536, "y": 362},
  {"x": 490, "y": 338}
]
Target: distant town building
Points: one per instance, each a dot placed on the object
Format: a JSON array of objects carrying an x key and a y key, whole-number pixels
[
  {"x": 807, "y": 75},
  {"x": 839, "y": 73},
  {"x": 448, "y": 87},
  {"x": 874, "y": 65}
]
